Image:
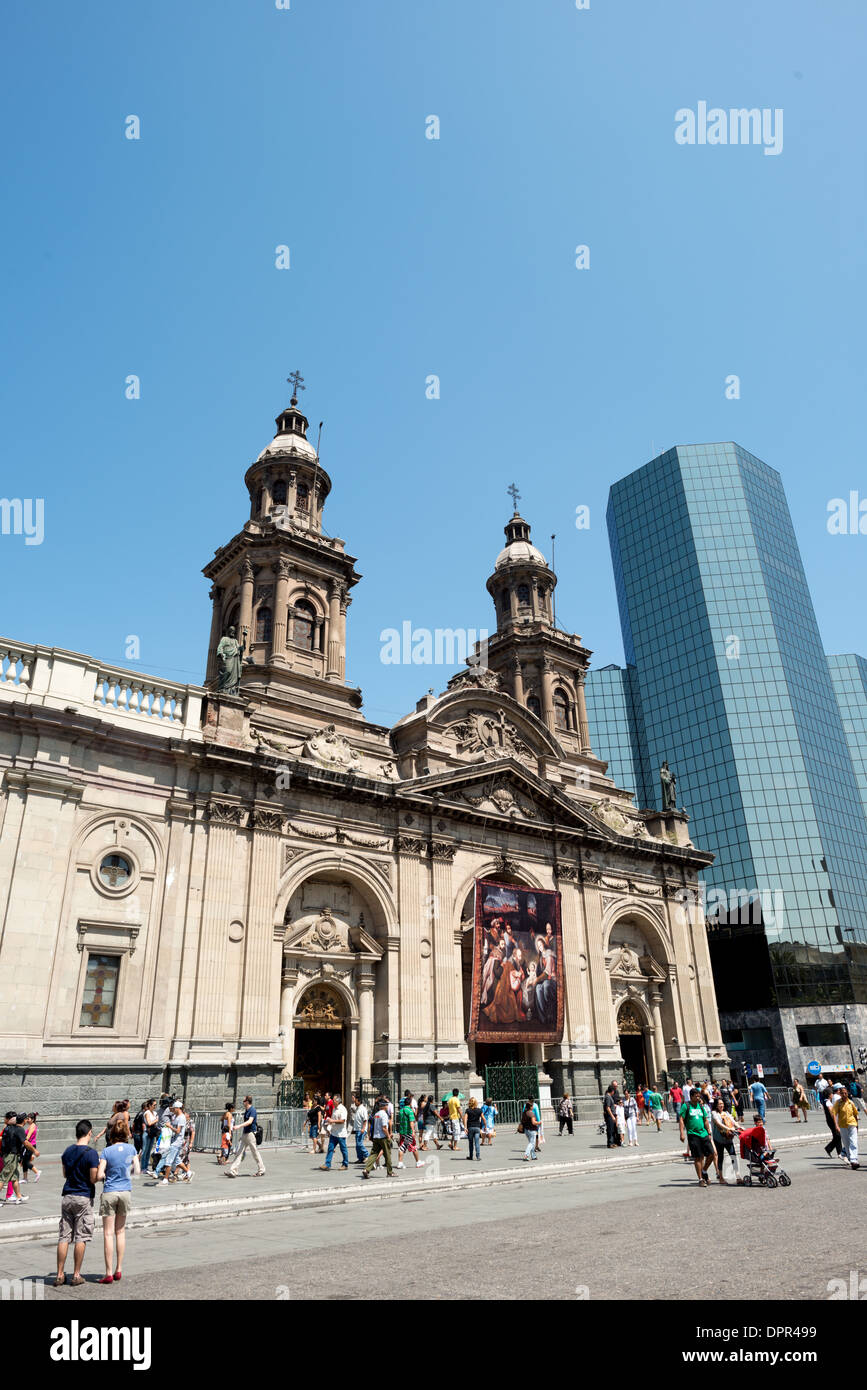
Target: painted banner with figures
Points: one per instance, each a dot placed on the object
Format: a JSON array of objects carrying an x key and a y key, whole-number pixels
[{"x": 517, "y": 965}]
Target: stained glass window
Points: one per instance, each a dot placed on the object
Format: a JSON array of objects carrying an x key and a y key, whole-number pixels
[
  {"x": 115, "y": 871},
  {"x": 100, "y": 991}
]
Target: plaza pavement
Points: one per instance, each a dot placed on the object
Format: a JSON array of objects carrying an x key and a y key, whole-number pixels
[{"x": 293, "y": 1178}]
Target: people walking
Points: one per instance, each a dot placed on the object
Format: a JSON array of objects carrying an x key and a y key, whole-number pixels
[
  {"x": 337, "y": 1137},
  {"x": 530, "y": 1128},
  {"x": 407, "y": 1133},
  {"x": 653, "y": 1101},
  {"x": 759, "y": 1093},
  {"x": 249, "y": 1143},
  {"x": 13, "y": 1144},
  {"x": 564, "y": 1113},
  {"x": 489, "y": 1115},
  {"x": 381, "y": 1141},
  {"x": 609, "y": 1114},
  {"x": 834, "y": 1144},
  {"x": 169, "y": 1156},
  {"x": 800, "y": 1102},
  {"x": 358, "y": 1119},
  {"x": 429, "y": 1119},
  {"x": 698, "y": 1134},
  {"x": 312, "y": 1123},
  {"x": 227, "y": 1124},
  {"x": 454, "y": 1107},
  {"x": 80, "y": 1164},
  {"x": 119, "y": 1160},
  {"x": 846, "y": 1115},
  {"x": 30, "y": 1132},
  {"x": 724, "y": 1132},
  {"x": 473, "y": 1119},
  {"x": 630, "y": 1113}
]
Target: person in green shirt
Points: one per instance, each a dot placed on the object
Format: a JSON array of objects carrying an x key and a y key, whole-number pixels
[
  {"x": 698, "y": 1135},
  {"x": 654, "y": 1100}
]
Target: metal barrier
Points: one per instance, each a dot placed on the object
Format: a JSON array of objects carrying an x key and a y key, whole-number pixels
[{"x": 280, "y": 1129}]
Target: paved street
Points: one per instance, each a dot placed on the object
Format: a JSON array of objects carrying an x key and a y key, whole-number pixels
[{"x": 628, "y": 1232}]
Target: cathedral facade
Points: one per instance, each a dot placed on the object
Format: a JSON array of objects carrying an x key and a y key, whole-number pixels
[{"x": 218, "y": 888}]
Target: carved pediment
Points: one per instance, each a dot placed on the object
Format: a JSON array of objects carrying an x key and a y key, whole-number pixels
[{"x": 482, "y": 735}]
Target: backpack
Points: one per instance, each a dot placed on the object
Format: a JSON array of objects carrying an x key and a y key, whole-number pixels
[
  {"x": 138, "y": 1123},
  {"x": 259, "y": 1135}
]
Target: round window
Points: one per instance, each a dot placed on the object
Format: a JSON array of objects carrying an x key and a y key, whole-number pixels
[{"x": 115, "y": 871}]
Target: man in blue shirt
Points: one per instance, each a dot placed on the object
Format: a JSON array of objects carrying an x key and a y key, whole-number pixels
[
  {"x": 248, "y": 1141},
  {"x": 80, "y": 1162},
  {"x": 759, "y": 1091}
]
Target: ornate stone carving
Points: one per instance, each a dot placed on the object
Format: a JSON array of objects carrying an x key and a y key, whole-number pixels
[
  {"x": 263, "y": 593},
  {"x": 225, "y": 812},
  {"x": 503, "y": 800},
  {"x": 475, "y": 678},
  {"x": 266, "y": 820},
  {"x": 326, "y": 934},
  {"x": 483, "y": 737},
  {"x": 440, "y": 850},
  {"x": 330, "y": 749},
  {"x": 568, "y": 872},
  {"x": 310, "y": 833},
  {"x": 408, "y": 844},
  {"x": 321, "y": 1008},
  {"x": 590, "y": 874},
  {"x": 290, "y": 852}
]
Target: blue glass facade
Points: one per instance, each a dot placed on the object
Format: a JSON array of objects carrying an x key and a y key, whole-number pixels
[
  {"x": 614, "y": 720},
  {"x": 849, "y": 676},
  {"x": 731, "y": 685}
]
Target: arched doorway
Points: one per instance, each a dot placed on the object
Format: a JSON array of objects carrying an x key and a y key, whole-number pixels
[
  {"x": 320, "y": 1040},
  {"x": 630, "y": 1035}
]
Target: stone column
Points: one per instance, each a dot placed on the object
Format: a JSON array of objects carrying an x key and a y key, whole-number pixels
[
  {"x": 224, "y": 819},
  {"x": 448, "y": 988},
  {"x": 281, "y": 610},
  {"x": 547, "y": 684},
  {"x": 576, "y": 1009},
  {"x": 518, "y": 681},
  {"x": 262, "y": 972},
  {"x": 691, "y": 1040},
  {"x": 658, "y": 1035},
  {"x": 291, "y": 492},
  {"x": 288, "y": 982},
  {"x": 345, "y": 601},
  {"x": 604, "y": 1022},
  {"x": 216, "y": 597},
  {"x": 332, "y": 670},
  {"x": 583, "y": 724},
  {"x": 267, "y": 483},
  {"x": 245, "y": 619},
  {"x": 414, "y": 889},
  {"x": 364, "y": 982}
]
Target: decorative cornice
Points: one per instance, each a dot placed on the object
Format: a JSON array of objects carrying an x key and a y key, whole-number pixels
[{"x": 407, "y": 844}]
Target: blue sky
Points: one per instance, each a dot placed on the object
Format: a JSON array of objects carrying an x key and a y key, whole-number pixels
[{"x": 412, "y": 257}]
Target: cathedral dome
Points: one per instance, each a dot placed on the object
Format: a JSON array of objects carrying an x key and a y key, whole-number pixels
[
  {"x": 519, "y": 553},
  {"x": 286, "y": 441}
]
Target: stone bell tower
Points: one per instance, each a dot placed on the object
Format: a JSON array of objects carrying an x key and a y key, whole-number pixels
[
  {"x": 541, "y": 666},
  {"x": 283, "y": 583}
]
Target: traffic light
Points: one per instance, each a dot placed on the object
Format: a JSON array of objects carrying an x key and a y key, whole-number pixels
[{"x": 862, "y": 1056}]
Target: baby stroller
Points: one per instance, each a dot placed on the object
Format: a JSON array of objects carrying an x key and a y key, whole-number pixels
[{"x": 765, "y": 1168}]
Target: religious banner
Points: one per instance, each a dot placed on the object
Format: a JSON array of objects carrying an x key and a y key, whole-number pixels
[{"x": 517, "y": 965}]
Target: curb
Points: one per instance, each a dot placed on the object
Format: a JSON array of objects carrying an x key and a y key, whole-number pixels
[{"x": 211, "y": 1208}]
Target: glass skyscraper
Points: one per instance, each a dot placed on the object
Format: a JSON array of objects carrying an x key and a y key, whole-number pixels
[
  {"x": 727, "y": 679},
  {"x": 849, "y": 675}
]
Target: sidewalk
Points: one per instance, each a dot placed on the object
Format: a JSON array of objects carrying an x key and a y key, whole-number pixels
[{"x": 293, "y": 1177}]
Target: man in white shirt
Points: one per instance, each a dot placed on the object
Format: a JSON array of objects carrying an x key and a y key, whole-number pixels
[
  {"x": 359, "y": 1116},
  {"x": 337, "y": 1137}
]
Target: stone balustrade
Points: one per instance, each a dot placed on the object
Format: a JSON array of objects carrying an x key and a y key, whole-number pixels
[{"x": 76, "y": 683}]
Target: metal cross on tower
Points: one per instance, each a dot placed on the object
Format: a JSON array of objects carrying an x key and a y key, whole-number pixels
[
  {"x": 514, "y": 494},
  {"x": 296, "y": 381}
]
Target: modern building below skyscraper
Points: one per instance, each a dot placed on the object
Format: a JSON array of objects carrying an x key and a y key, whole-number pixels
[{"x": 726, "y": 678}]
